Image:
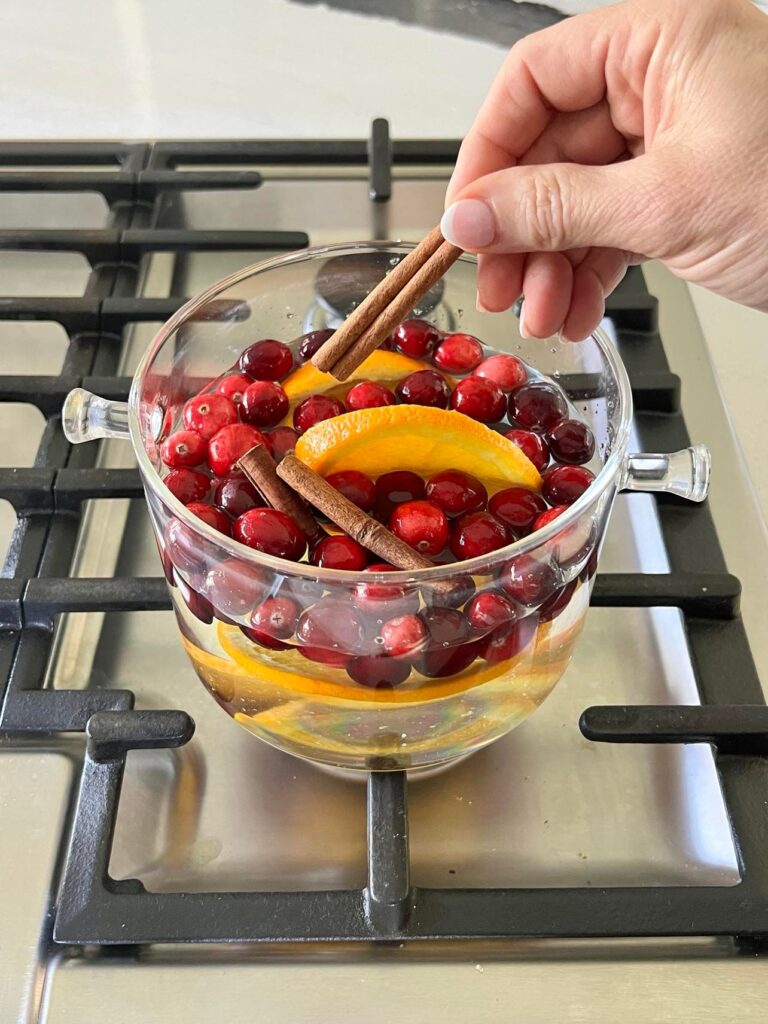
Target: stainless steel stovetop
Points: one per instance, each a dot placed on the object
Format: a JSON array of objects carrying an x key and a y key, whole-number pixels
[{"x": 542, "y": 807}]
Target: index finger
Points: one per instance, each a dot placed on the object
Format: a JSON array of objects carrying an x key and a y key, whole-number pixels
[{"x": 559, "y": 69}]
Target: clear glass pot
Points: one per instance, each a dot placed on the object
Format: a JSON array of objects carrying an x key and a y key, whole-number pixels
[{"x": 339, "y": 700}]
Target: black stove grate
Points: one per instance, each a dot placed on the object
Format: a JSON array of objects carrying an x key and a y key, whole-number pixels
[{"x": 48, "y": 500}]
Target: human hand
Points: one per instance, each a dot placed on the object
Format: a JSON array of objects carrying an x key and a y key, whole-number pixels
[{"x": 631, "y": 132}]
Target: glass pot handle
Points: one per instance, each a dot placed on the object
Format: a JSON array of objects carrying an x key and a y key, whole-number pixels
[
  {"x": 86, "y": 417},
  {"x": 685, "y": 473}
]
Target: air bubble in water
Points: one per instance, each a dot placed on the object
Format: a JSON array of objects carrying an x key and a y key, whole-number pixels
[{"x": 394, "y": 261}]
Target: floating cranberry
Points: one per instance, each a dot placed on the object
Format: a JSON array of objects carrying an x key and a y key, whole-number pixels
[
  {"x": 340, "y": 552},
  {"x": 378, "y": 672},
  {"x": 182, "y": 546},
  {"x": 283, "y": 440},
  {"x": 207, "y": 414},
  {"x": 562, "y": 485},
  {"x": 571, "y": 441},
  {"x": 537, "y": 406},
  {"x": 488, "y": 610},
  {"x": 506, "y": 372},
  {"x": 230, "y": 444},
  {"x": 308, "y": 344},
  {"x": 259, "y": 637},
  {"x": 384, "y": 599},
  {"x": 505, "y": 642},
  {"x": 518, "y": 508},
  {"x": 528, "y": 581},
  {"x": 557, "y": 603},
  {"x": 478, "y": 533},
  {"x": 448, "y": 648},
  {"x": 183, "y": 448},
  {"x": 403, "y": 635},
  {"x": 456, "y": 493},
  {"x": 478, "y": 398},
  {"x": 422, "y": 525},
  {"x": 274, "y": 619},
  {"x": 314, "y": 410},
  {"x": 416, "y": 338},
  {"x": 264, "y": 403},
  {"x": 233, "y": 387},
  {"x": 392, "y": 489},
  {"x": 355, "y": 486},
  {"x": 330, "y": 632},
  {"x": 211, "y": 515},
  {"x": 458, "y": 353},
  {"x": 198, "y": 605},
  {"x": 451, "y": 593},
  {"x": 236, "y": 495},
  {"x": 235, "y": 588},
  {"x": 267, "y": 360},
  {"x": 270, "y": 531},
  {"x": 547, "y": 517},
  {"x": 368, "y": 394},
  {"x": 187, "y": 485},
  {"x": 533, "y": 446},
  {"x": 424, "y": 387}
]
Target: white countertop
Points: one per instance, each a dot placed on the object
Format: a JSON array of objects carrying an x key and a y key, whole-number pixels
[{"x": 83, "y": 69}]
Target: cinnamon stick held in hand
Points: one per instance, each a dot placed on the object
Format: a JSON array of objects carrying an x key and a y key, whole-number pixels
[{"x": 382, "y": 309}]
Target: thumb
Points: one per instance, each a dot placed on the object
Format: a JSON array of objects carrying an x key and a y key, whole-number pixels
[{"x": 554, "y": 207}]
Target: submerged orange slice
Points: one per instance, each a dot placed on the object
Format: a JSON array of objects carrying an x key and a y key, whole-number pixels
[
  {"x": 382, "y": 367},
  {"x": 418, "y": 438}
]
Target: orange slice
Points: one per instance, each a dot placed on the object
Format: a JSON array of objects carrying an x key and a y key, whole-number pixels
[
  {"x": 418, "y": 438},
  {"x": 383, "y": 367}
]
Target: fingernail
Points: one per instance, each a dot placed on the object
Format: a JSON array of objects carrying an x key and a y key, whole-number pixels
[
  {"x": 479, "y": 305},
  {"x": 521, "y": 327},
  {"x": 469, "y": 223}
]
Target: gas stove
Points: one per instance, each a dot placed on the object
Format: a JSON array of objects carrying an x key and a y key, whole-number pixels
[{"x": 608, "y": 858}]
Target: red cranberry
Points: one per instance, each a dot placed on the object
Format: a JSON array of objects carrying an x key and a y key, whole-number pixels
[
  {"x": 557, "y": 602},
  {"x": 308, "y": 344},
  {"x": 264, "y": 403},
  {"x": 187, "y": 485},
  {"x": 233, "y": 387},
  {"x": 340, "y": 552},
  {"x": 416, "y": 338},
  {"x": 236, "y": 495},
  {"x": 200, "y": 606},
  {"x": 452, "y": 593},
  {"x": 479, "y": 399},
  {"x": 211, "y": 515},
  {"x": 314, "y": 410},
  {"x": 165, "y": 558},
  {"x": 421, "y": 525},
  {"x": 518, "y": 508},
  {"x": 270, "y": 531},
  {"x": 571, "y": 441},
  {"x": 182, "y": 546},
  {"x": 355, "y": 486},
  {"x": 537, "y": 406},
  {"x": 330, "y": 632},
  {"x": 456, "y": 493},
  {"x": 234, "y": 587},
  {"x": 267, "y": 360},
  {"x": 562, "y": 485},
  {"x": 506, "y": 372},
  {"x": 183, "y": 448},
  {"x": 527, "y": 581},
  {"x": 458, "y": 353},
  {"x": 392, "y": 489},
  {"x": 488, "y": 610},
  {"x": 207, "y": 414},
  {"x": 378, "y": 672},
  {"x": 368, "y": 395},
  {"x": 425, "y": 387},
  {"x": 385, "y": 599},
  {"x": 283, "y": 440},
  {"x": 403, "y": 635},
  {"x": 506, "y": 642},
  {"x": 478, "y": 533},
  {"x": 448, "y": 647},
  {"x": 533, "y": 446},
  {"x": 547, "y": 517},
  {"x": 230, "y": 444},
  {"x": 274, "y": 619},
  {"x": 258, "y": 636}
]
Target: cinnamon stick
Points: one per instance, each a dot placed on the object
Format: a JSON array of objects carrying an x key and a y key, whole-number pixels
[
  {"x": 360, "y": 526},
  {"x": 258, "y": 466},
  {"x": 416, "y": 288},
  {"x": 377, "y": 300}
]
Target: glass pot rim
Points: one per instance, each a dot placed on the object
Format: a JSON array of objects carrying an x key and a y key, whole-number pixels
[{"x": 479, "y": 565}]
